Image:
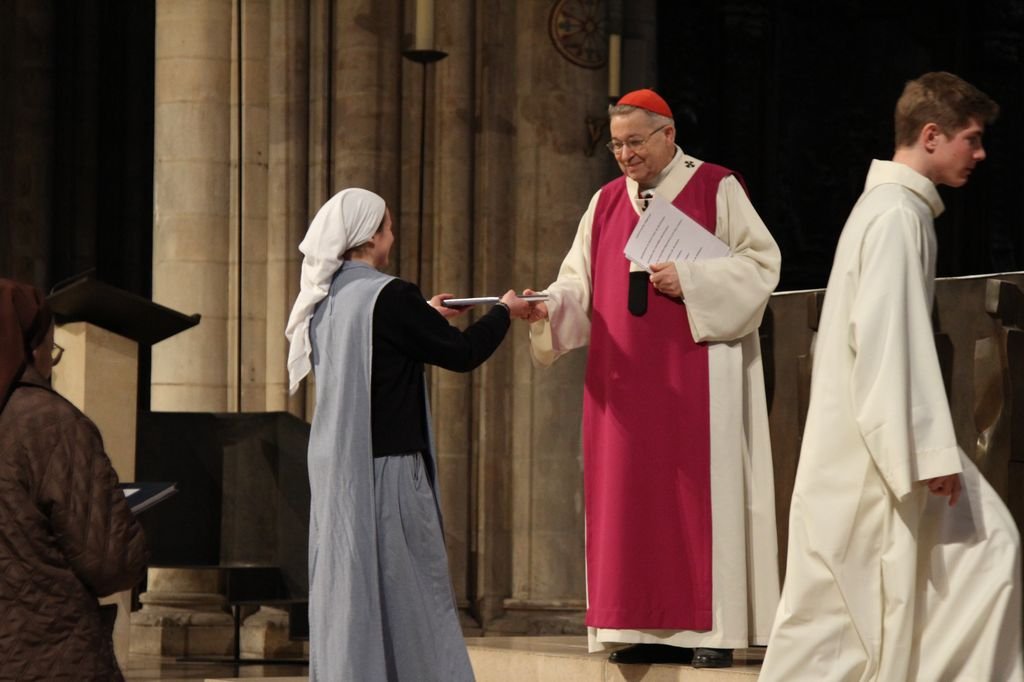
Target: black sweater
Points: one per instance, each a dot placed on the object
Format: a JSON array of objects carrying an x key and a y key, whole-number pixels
[{"x": 408, "y": 333}]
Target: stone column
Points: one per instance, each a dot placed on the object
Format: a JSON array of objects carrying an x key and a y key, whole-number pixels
[
  {"x": 494, "y": 238},
  {"x": 184, "y": 612},
  {"x": 453, "y": 100},
  {"x": 265, "y": 634},
  {"x": 554, "y": 182},
  {"x": 99, "y": 375},
  {"x": 247, "y": 272},
  {"x": 191, "y": 230},
  {"x": 287, "y": 185},
  {"x": 354, "y": 108},
  {"x": 365, "y": 106},
  {"x": 320, "y": 166},
  {"x": 191, "y": 199}
]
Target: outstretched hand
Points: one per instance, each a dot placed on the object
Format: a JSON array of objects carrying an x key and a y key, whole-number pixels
[
  {"x": 517, "y": 307},
  {"x": 446, "y": 312},
  {"x": 946, "y": 486},
  {"x": 538, "y": 309}
]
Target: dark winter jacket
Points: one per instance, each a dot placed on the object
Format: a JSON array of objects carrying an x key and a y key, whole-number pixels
[{"x": 67, "y": 537}]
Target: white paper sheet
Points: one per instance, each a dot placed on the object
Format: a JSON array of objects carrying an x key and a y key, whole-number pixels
[{"x": 665, "y": 234}]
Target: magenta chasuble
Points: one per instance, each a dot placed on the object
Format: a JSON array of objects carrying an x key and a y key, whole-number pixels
[{"x": 646, "y": 436}]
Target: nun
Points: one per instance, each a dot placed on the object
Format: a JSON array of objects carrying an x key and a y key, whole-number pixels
[{"x": 381, "y": 605}]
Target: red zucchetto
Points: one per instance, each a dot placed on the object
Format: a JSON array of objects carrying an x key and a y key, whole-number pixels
[{"x": 646, "y": 99}]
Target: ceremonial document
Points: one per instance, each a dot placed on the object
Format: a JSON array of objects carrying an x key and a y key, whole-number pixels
[
  {"x": 665, "y": 234},
  {"x": 485, "y": 300}
]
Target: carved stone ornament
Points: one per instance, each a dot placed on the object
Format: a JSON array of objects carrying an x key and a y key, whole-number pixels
[{"x": 579, "y": 32}]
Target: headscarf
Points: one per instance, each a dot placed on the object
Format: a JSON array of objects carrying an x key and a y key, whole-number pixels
[
  {"x": 348, "y": 219},
  {"x": 24, "y": 320}
]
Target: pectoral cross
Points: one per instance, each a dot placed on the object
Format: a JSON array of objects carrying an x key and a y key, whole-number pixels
[{"x": 645, "y": 198}]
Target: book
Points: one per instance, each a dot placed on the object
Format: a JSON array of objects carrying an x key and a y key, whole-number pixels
[
  {"x": 143, "y": 495},
  {"x": 485, "y": 300}
]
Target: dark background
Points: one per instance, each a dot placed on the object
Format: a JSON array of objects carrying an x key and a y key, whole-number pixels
[
  {"x": 76, "y": 140},
  {"x": 796, "y": 101},
  {"x": 799, "y": 103}
]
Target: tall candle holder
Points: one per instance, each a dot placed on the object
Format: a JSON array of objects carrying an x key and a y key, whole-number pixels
[{"x": 422, "y": 57}]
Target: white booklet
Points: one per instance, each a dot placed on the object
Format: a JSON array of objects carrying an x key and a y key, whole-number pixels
[
  {"x": 485, "y": 300},
  {"x": 143, "y": 495},
  {"x": 665, "y": 234}
]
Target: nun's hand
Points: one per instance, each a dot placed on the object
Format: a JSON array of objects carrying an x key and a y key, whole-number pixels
[
  {"x": 447, "y": 313},
  {"x": 518, "y": 309}
]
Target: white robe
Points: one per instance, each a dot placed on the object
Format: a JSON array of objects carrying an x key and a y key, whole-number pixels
[
  {"x": 884, "y": 581},
  {"x": 725, "y": 300}
]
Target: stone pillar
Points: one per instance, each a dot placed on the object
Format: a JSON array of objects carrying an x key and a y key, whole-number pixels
[
  {"x": 99, "y": 374},
  {"x": 265, "y": 635},
  {"x": 639, "y": 46},
  {"x": 365, "y": 105},
  {"x": 247, "y": 272},
  {"x": 319, "y": 173},
  {"x": 453, "y": 102},
  {"x": 191, "y": 199},
  {"x": 494, "y": 237},
  {"x": 554, "y": 182},
  {"x": 320, "y": 151},
  {"x": 287, "y": 186},
  {"x": 184, "y": 612}
]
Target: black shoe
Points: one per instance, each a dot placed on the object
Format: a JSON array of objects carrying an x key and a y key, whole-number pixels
[
  {"x": 712, "y": 658},
  {"x": 653, "y": 653}
]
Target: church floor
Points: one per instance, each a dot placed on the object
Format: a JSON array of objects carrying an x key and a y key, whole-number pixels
[
  {"x": 151, "y": 668},
  {"x": 495, "y": 659}
]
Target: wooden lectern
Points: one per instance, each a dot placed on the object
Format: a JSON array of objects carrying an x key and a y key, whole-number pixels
[{"x": 100, "y": 328}]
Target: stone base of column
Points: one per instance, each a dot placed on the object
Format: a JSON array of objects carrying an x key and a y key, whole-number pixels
[
  {"x": 265, "y": 635},
  {"x": 183, "y": 613},
  {"x": 469, "y": 624},
  {"x": 540, "y": 617}
]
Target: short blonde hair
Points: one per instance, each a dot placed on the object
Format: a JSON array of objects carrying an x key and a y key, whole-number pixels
[{"x": 941, "y": 98}]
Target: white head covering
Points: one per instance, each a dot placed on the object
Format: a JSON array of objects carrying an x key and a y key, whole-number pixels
[{"x": 348, "y": 219}]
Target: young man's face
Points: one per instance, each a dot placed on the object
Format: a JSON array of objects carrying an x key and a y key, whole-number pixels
[{"x": 956, "y": 156}]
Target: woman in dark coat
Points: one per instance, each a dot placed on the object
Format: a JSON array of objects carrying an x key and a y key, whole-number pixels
[{"x": 67, "y": 535}]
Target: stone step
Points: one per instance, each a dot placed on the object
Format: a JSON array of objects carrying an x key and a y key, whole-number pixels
[
  {"x": 565, "y": 659},
  {"x": 250, "y": 678}
]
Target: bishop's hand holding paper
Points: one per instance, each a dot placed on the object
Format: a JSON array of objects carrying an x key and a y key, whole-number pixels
[{"x": 665, "y": 279}]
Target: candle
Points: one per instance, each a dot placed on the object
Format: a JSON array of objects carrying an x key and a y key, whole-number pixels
[
  {"x": 424, "y": 25},
  {"x": 614, "y": 64}
]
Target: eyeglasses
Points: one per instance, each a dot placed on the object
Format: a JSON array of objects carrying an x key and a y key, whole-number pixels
[
  {"x": 635, "y": 144},
  {"x": 56, "y": 353}
]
